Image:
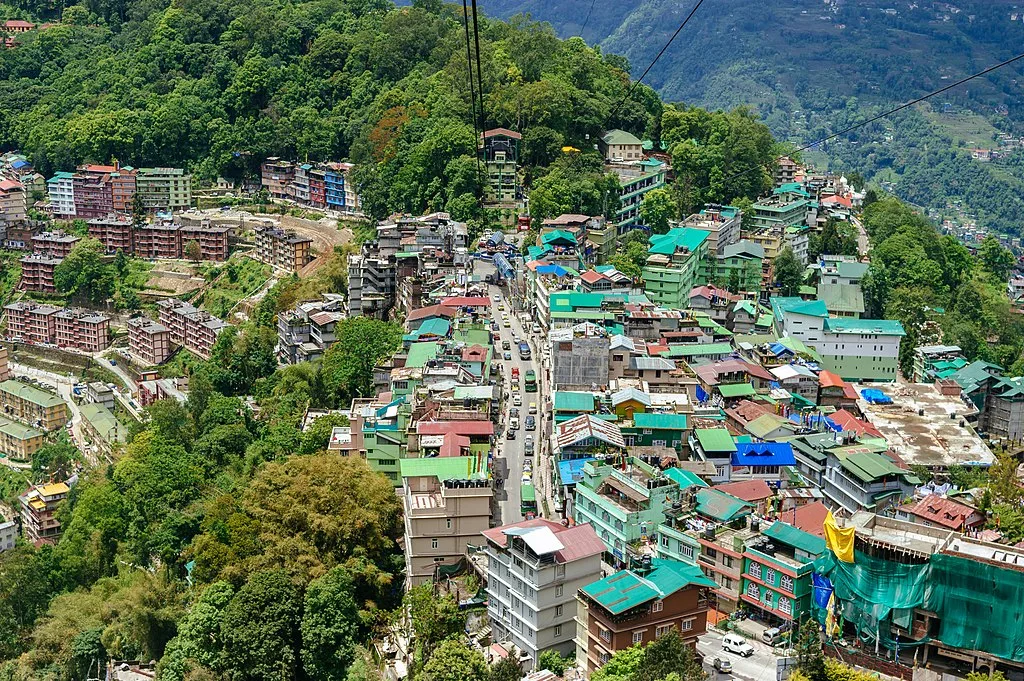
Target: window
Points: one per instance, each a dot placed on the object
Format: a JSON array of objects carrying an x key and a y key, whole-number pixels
[
  {"x": 517, "y": 561},
  {"x": 769, "y": 576},
  {"x": 558, "y": 590},
  {"x": 710, "y": 553},
  {"x": 664, "y": 541},
  {"x": 658, "y": 606},
  {"x": 387, "y": 462},
  {"x": 638, "y": 636},
  {"x": 559, "y": 572},
  {"x": 558, "y": 610},
  {"x": 785, "y": 605},
  {"x": 726, "y": 560},
  {"x": 606, "y": 635},
  {"x": 686, "y": 551},
  {"x": 558, "y": 630},
  {"x": 754, "y": 570},
  {"x": 787, "y": 583},
  {"x": 448, "y": 522},
  {"x": 688, "y": 625},
  {"x": 754, "y": 591},
  {"x": 433, "y": 543},
  {"x": 648, "y": 431},
  {"x": 604, "y": 658},
  {"x": 663, "y": 629}
]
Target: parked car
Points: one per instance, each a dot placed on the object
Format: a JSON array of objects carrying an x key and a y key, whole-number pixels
[
  {"x": 510, "y": 434},
  {"x": 773, "y": 636},
  {"x": 734, "y": 643},
  {"x": 536, "y": 328},
  {"x": 497, "y": 297},
  {"x": 531, "y": 423},
  {"x": 517, "y": 400},
  {"x": 505, "y": 345},
  {"x": 513, "y": 413},
  {"x": 513, "y": 424},
  {"x": 722, "y": 664},
  {"x": 533, "y": 408}
]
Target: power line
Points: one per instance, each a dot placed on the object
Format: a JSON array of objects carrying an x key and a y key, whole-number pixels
[
  {"x": 587, "y": 20},
  {"x": 477, "y": 133},
  {"x": 479, "y": 77},
  {"x": 901, "y": 107}
]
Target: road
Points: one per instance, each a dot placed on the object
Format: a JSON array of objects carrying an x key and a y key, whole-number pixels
[
  {"x": 63, "y": 385},
  {"x": 863, "y": 246},
  {"x": 510, "y": 456},
  {"x": 761, "y": 666}
]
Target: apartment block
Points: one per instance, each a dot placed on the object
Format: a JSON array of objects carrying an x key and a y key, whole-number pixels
[
  {"x": 122, "y": 189},
  {"x": 190, "y": 327},
  {"x": 637, "y": 179},
  {"x": 164, "y": 188},
  {"x": 722, "y": 223},
  {"x": 19, "y": 442},
  {"x": 98, "y": 392},
  {"x": 31, "y": 322},
  {"x": 447, "y": 507},
  {"x": 101, "y": 427},
  {"x": 534, "y": 570},
  {"x": 85, "y": 330},
  {"x": 13, "y": 206},
  {"x": 61, "y": 190},
  {"x": 31, "y": 405},
  {"x": 212, "y": 239},
  {"x": 673, "y": 263},
  {"x": 18, "y": 236},
  {"x": 282, "y": 249},
  {"x": 307, "y": 330},
  {"x": 39, "y": 504},
  {"x": 500, "y": 152},
  {"x": 298, "y": 190},
  {"x": 777, "y": 567},
  {"x": 114, "y": 232},
  {"x": 276, "y": 176},
  {"x": 56, "y": 244},
  {"x": 317, "y": 179},
  {"x": 148, "y": 341},
  {"x": 160, "y": 239},
  {"x": 339, "y": 191},
  {"x": 8, "y": 534},
  {"x": 637, "y": 606},
  {"x": 92, "y": 191}
]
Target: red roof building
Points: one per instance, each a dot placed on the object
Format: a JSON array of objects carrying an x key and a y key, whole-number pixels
[
  {"x": 835, "y": 387},
  {"x": 849, "y": 422},
  {"x": 753, "y": 491},
  {"x": 809, "y": 518},
  {"x": 502, "y": 132},
  {"x": 467, "y": 301},
  {"x": 936, "y": 511},
  {"x": 431, "y": 311}
]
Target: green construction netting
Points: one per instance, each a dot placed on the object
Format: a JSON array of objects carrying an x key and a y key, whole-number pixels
[{"x": 979, "y": 606}]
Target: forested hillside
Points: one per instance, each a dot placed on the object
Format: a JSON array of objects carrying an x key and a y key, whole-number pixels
[{"x": 809, "y": 68}]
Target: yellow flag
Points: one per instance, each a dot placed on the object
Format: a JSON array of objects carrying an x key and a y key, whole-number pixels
[{"x": 839, "y": 539}]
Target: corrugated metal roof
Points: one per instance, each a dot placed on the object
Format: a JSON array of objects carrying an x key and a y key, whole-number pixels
[
  {"x": 715, "y": 440},
  {"x": 626, "y": 589},
  {"x": 720, "y": 506},
  {"x": 797, "y": 538}
]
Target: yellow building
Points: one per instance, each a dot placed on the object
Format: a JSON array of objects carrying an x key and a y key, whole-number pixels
[
  {"x": 19, "y": 442},
  {"x": 31, "y": 405}
]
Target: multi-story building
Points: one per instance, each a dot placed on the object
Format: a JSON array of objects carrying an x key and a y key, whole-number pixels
[
  {"x": 777, "y": 567},
  {"x": 673, "y": 263},
  {"x": 447, "y": 505},
  {"x": 276, "y": 176},
  {"x": 61, "y": 190},
  {"x": 282, "y": 249},
  {"x": 371, "y": 284},
  {"x": 789, "y": 206},
  {"x": 98, "y": 392},
  {"x": 624, "y": 504},
  {"x": 122, "y": 189},
  {"x": 785, "y": 171},
  {"x": 619, "y": 145},
  {"x": 500, "y": 152},
  {"x": 39, "y": 504},
  {"x": 317, "y": 179},
  {"x": 148, "y": 341},
  {"x": 8, "y": 534},
  {"x": 579, "y": 357},
  {"x": 339, "y": 191},
  {"x": 114, "y": 232},
  {"x": 190, "y": 327},
  {"x": 31, "y": 322},
  {"x": 164, "y": 188},
  {"x": 298, "y": 190},
  {"x": 13, "y": 207},
  {"x": 933, "y": 362},
  {"x": 534, "y": 569},
  {"x": 37, "y": 273},
  {"x": 305, "y": 332},
  {"x": 92, "y": 191},
  {"x": 19, "y": 442},
  {"x": 722, "y": 223},
  {"x": 101, "y": 427},
  {"x": 56, "y": 244},
  {"x": 639, "y": 605},
  {"x": 31, "y": 405},
  {"x": 159, "y": 239},
  {"x": 856, "y": 480},
  {"x": 85, "y": 330},
  {"x": 213, "y": 241},
  {"x": 636, "y": 178}
]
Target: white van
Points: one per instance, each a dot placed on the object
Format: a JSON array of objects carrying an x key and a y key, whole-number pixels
[{"x": 734, "y": 643}]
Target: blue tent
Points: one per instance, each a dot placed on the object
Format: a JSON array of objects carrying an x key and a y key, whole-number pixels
[
  {"x": 556, "y": 270},
  {"x": 875, "y": 396}
]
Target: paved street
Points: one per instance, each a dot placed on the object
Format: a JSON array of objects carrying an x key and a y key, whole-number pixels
[
  {"x": 761, "y": 666},
  {"x": 510, "y": 456}
]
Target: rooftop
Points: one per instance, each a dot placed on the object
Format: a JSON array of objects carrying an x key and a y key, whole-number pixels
[
  {"x": 30, "y": 394},
  {"x": 627, "y": 589},
  {"x": 878, "y": 327},
  {"x": 684, "y": 238},
  {"x": 933, "y": 438}
]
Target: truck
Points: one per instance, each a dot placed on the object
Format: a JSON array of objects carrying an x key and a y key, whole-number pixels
[
  {"x": 524, "y": 350},
  {"x": 528, "y": 500},
  {"x": 531, "y": 381}
]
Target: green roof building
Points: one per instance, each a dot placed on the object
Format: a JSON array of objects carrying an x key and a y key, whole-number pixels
[
  {"x": 674, "y": 263},
  {"x": 777, "y": 569}
]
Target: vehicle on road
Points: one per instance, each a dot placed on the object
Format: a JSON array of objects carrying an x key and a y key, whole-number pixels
[
  {"x": 497, "y": 297},
  {"x": 533, "y": 408},
  {"x": 531, "y": 381},
  {"x": 531, "y": 423},
  {"x": 517, "y": 400},
  {"x": 505, "y": 323},
  {"x": 528, "y": 447},
  {"x": 515, "y": 374},
  {"x": 513, "y": 413},
  {"x": 507, "y": 356},
  {"x": 505, "y": 345},
  {"x": 513, "y": 424},
  {"x": 510, "y": 434},
  {"x": 734, "y": 643},
  {"x": 524, "y": 351},
  {"x": 773, "y": 636},
  {"x": 722, "y": 664},
  {"x": 535, "y": 328},
  {"x": 527, "y": 499}
]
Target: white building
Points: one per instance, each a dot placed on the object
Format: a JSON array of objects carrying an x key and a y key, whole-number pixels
[
  {"x": 534, "y": 570},
  {"x": 8, "y": 535},
  {"x": 62, "y": 194}
]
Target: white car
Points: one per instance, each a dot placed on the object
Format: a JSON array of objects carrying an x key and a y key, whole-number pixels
[
  {"x": 497, "y": 297},
  {"x": 734, "y": 643},
  {"x": 517, "y": 400}
]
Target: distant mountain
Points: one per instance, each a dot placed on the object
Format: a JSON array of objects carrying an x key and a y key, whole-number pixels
[{"x": 811, "y": 67}]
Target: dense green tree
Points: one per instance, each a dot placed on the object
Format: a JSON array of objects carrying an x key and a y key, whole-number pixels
[
  {"x": 434, "y": 618},
  {"x": 656, "y": 209},
  {"x": 996, "y": 259},
  {"x": 621, "y": 666},
  {"x": 83, "y": 274},
  {"x": 454, "y": 661},
  {"x": 348, "y": 364},
  {"x": 55, "y": 460},
  {"x": 330, "y": 626},
  {"x": 260, "y": 628},
  {"x": 669, "y": 654},
  {"x": 788, "y": 272},
  {"x": 507, "y": 669},
  {"x": 808, "y": 644},
  {"x": 553, "y": 662},
  {"x": 318, "y": 435}
]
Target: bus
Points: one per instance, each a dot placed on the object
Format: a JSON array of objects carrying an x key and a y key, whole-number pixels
[
  {"x": 531, "y": 381},
  {"x": 528, "y": 500},
  {"x": 524, "y": 350}
]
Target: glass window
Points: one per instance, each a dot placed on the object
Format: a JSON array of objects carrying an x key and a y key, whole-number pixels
[
  {"x": 785, "y": 605},
  {"x": 558, "y": 611},
  {"x": 606, "y": 635},
  {"x": 638, "y": 636},
  {"x": 787, "y": 583},
  {"x": 663, "y": 629},
  {"x": 658, "y": 606},
  {"x": 558, "y": 630},
  {"x": 688, "y": 625},
  {"x": 769, "y": 575},
  {"x": 433, "y": 543},
  {"x": 754, "y": 591},
  {"x": 558, "y": 590},
  {"x": 754, "y": 570}
]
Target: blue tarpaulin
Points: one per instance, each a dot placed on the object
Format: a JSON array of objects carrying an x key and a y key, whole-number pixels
[
  {"x": 875, "y": 396},
  {"x": 701, "y": 395},
  {"x": 822, "y": 590},
  {"x": 570, "y": 472},
  {"x": 556, "y": 270},
  {"x": 763, "y": 454}
]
